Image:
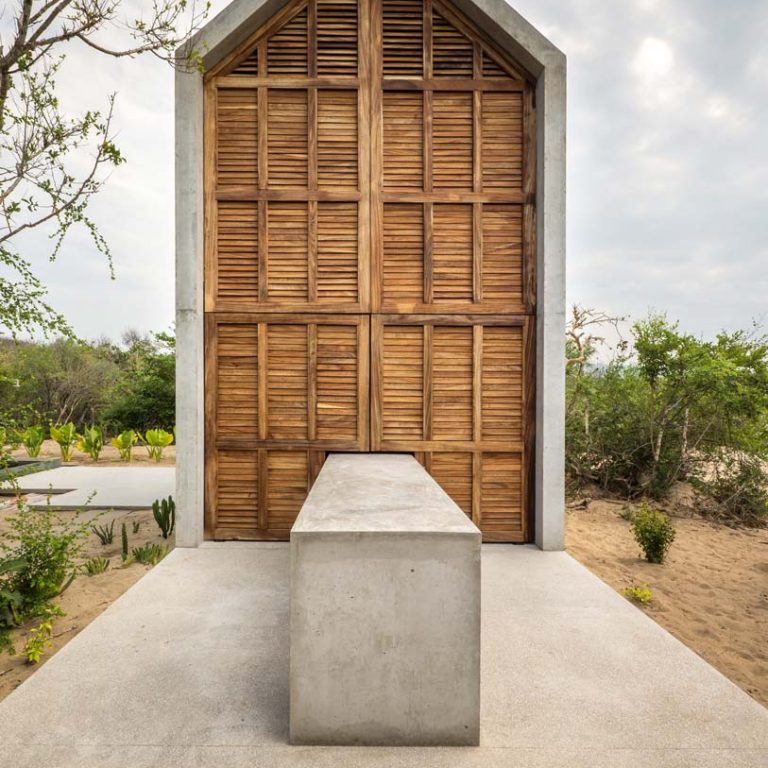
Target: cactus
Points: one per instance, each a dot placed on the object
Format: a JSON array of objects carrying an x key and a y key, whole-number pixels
[
  {"x": 124, "y": 537},
  {"x": 164, "y": 511}
]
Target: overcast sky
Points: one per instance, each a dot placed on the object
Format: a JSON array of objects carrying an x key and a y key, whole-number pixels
[{"x": 667, "y": 168}]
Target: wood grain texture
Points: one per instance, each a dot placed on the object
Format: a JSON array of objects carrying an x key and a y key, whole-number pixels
[{"x": 368, "y": 156}]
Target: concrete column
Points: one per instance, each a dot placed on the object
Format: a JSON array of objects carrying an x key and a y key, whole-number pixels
[{"x": 190, "y": 405}]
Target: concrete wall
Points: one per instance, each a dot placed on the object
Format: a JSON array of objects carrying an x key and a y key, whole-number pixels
[{"x": 545, "y": 62}]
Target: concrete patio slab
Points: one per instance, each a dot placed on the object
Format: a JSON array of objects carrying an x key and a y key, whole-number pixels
[
  {"x": 103, "y": 487},
  {"x": 190, "y": 668}
]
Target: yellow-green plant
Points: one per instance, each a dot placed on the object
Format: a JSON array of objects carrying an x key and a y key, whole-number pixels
[
  {"x": 32, "y": 439},
  {"x": 66, "y": 436},
  {"x": 96, "y": 565},
  {"x": 654, "y": 532},
  {"x": 638, "y": 594},
  {"x": 38, "y": 642},
  {"x": 91, "y": 442},
  {"x": 124, "y": 443},
  {"x": 149, "y": 554},
  {"x": 156, "y": 441}
]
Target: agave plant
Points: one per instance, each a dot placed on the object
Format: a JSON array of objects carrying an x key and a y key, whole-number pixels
[
  {"x": 32, "y": 438},
  {"x": 124, "y": 443},
  {"x": 91, "y": 442},
  {"x": 156, "y": 441},
  {"x": 66, "y": 436}
]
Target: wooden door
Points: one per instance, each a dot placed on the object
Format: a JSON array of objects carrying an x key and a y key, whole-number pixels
[{"x": 369, "y": 278}]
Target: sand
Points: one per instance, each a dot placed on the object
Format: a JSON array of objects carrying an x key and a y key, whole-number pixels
[
  {"x": 87, "y": 596},
  {"x": 711, "y": 593}
]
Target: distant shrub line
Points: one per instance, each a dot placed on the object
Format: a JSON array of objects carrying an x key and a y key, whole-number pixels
[{"x": 665, "y": 407}]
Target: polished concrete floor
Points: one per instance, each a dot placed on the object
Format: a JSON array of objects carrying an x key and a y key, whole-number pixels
[{"x": 190, "y": 669}]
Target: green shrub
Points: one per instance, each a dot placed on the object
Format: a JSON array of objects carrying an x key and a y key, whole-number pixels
[
  {"x": 39, "y": 556},
  {"x": 738, "y": 485},
  {"x": 136, "y": 527},
  {"x": 164, "y": 511},
  {"x": 149, "y": 554},
  {"x": 664, "y": 405},
  {"x": 638, "y": 594},
  {"x": 654, "y": 533},
  {"x": 157, "y": 440},
  {"x": 145, "y": 396},
  {"x": 96, "y": 565},
  {"x": 32, "y": 440},
  {"x": 91, "y": 442},
  {"x": 124, "y": 443},
  {"x": 66, "y": 436}
]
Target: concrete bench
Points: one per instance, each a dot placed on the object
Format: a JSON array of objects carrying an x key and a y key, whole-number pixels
[{"x": 385, "y": 609}]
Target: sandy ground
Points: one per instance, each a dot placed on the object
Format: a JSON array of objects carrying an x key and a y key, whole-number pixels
[
  {"x": 87, "y": 596},
  {"x": 711, "y": 593},
  {"x": 110, "y": 456}
]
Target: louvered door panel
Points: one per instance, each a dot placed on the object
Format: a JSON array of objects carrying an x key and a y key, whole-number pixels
[
  {"x": 337, "y": 253},
  {"x": 237, "y": 391},
  {"x": 403, "y": 48},
  {"x": 287, "y": 379},
  {"x": 235, "y": 273},
  {"x": 236, "y": 498},
  {"x": 287, "y": 49},
  {"x": 287, "y": 487},
  {"x": 282, "y": 391},
  {"x": 452, "y": 255},
  {"x": 453, "y": 471},
  {"x": 370, "y": 261},
  {"x": 337, "y": 143},
  {"x": 403, "y": 140},
  {"x": 502, "y": 142},
  {"x": 451, "y": 383},
  {"x": 237, "y": 149},
  {"x": 337, "y": 382},
  {"x": 452, "y": 52},
  {"x": 337, "y": 38},
  {"x": 501, "y": 497},
  {"x": 289, "y": 160},
  {"x": 287, "y": 138},
  {"x": 403, "y": 254},
  {"x": 287, "y": 266},
  {"x": 402, "y": 384},
  {"x": 453, "y": 391},
  {"x": 452, "y": 145}
]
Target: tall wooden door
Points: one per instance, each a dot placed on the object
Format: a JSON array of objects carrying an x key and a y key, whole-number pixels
[{"x": 369, "y": 277}]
